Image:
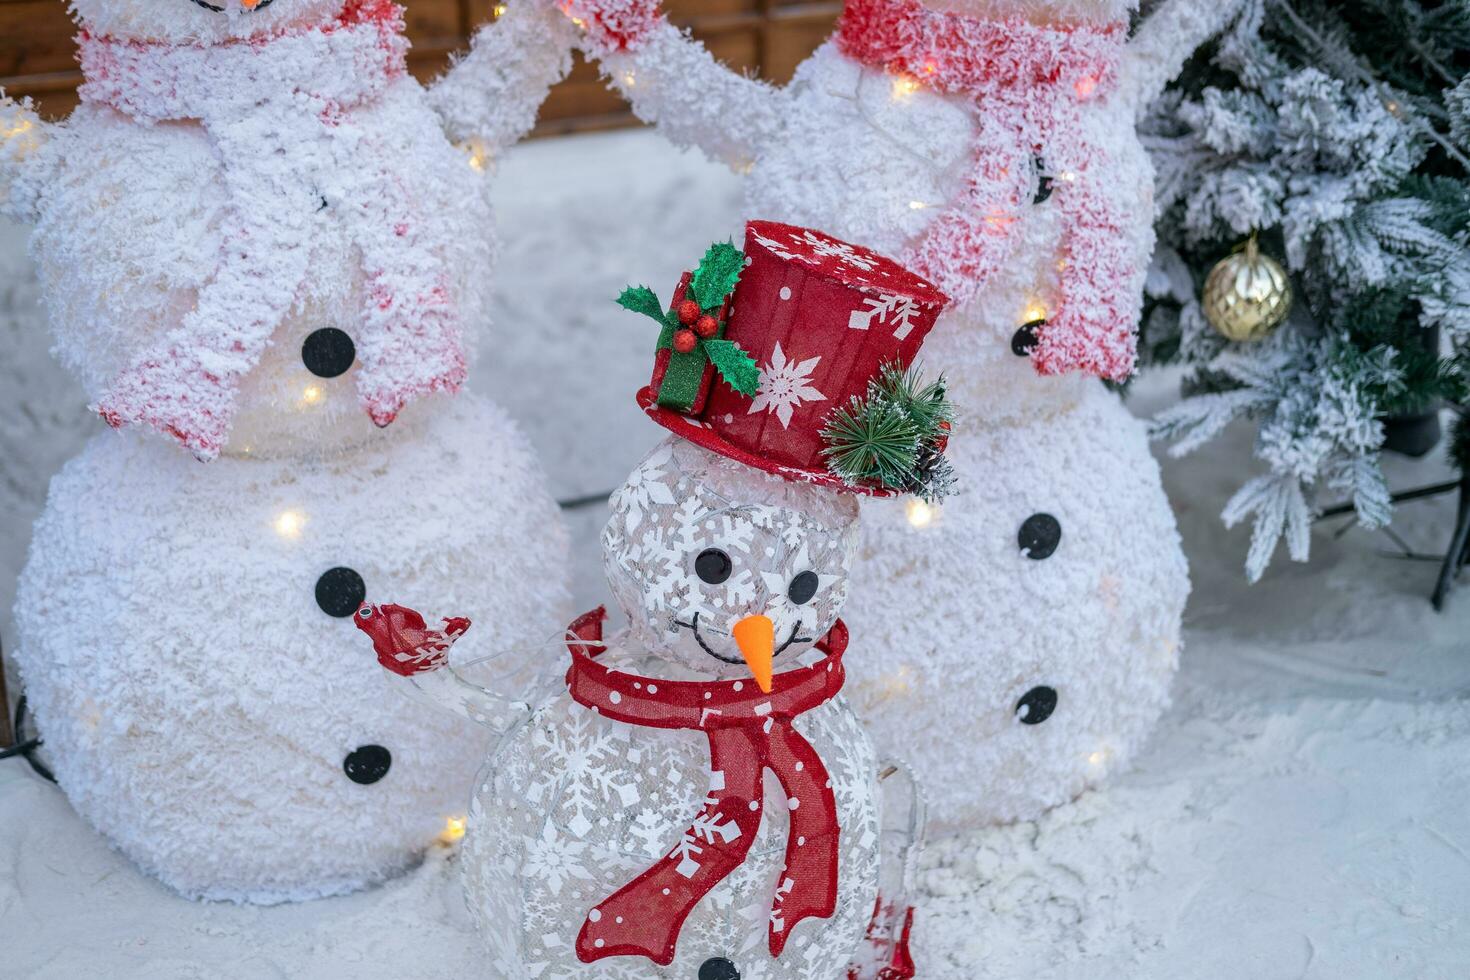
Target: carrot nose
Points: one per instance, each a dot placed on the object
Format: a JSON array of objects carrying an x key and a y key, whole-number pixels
[
  {"x": 756, "y": 637},
  {"x": 250, "y": 4}
]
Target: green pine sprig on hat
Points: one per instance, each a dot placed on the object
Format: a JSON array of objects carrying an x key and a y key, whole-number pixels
[
  {"x": 693, "y": 332},
  {"x": 894, "y": 435}
]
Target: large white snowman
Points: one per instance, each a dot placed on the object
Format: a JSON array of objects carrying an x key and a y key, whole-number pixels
[
  {"x": 1032, "y": 624},
  {"x": 699, "y": 800},
  {"x": 255, "y": 237}
]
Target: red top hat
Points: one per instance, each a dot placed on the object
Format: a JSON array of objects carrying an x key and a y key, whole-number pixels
[{"x": 822, "y": 319}]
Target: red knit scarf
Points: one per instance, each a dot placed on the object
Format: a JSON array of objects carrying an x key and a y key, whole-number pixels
[
  {"x": 279, "y": 111},
  {"x": 748, "y": 733},
  {"x": 1029, "y": 85}
]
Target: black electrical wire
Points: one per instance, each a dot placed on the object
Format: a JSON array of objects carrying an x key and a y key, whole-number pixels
[{"x": 26, "y": 748}]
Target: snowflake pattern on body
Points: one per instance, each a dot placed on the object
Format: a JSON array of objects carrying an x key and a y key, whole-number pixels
[
  {"x": 574, "y": 805},
  {"x": 784, "y": 385},
  {"x": 561, "y": 875}
]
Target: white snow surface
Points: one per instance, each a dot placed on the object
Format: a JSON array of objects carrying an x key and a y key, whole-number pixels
[{"x": 1302, "y": 810}]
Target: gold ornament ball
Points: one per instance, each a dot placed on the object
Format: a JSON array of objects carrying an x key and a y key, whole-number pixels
[{"x": 1247, "y": 295}]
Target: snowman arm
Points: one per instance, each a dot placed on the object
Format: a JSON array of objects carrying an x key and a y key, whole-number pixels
[
  {"x": 449, "y": 690},
  {"x": 25, "y": 164},
  {"x": 1165, "y": 41},
  {"x": 674, "y": 83},
  {"x": 494, "y": 93}
]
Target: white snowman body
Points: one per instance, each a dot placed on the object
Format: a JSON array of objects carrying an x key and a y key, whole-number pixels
[
  {"x": 573, "y": 805},
  {"x": 971, "y": 623},
  {"x": 188, "y": 647},
  {"x": 114, "y": 285},
  {"x": 184, "y": 628},
  {"x": 1094, "y": 627}
]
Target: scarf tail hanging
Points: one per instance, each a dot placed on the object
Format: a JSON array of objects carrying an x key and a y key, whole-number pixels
[
  {"x": 1032, "y": 82},
  {"x": 187, "y": 383},
  {"x": 747, "y": 734}
]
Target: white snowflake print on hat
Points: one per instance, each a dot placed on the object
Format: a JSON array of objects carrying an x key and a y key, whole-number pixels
[{"x": 784, "y": 385}]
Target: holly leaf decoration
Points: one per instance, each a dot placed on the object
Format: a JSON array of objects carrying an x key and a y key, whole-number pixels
[
  {"x": 734, "y": 365},
  {"x": 717, "y": 275},
  {"x": 641, "y": 299}
]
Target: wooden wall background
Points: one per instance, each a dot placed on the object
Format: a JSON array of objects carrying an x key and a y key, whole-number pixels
[{"x": 768, "y": 37}]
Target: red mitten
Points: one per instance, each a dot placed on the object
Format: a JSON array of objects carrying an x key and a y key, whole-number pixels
[
  {"x": 403, "y": 643},
  {"x": 614, "y": 25}
]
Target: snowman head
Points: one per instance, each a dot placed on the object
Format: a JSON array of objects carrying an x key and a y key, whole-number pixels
[
  {"x": 200, "y": 21},
  {"x": 722, "y": 569},
  {"x": 1038, "y": 11}
]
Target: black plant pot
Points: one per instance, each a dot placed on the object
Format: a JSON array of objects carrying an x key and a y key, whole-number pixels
[
  {"x": 1412, "y": 435},
  {"x": 1415, "y": 433}
]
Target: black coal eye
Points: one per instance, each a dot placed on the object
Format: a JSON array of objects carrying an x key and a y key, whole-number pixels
[
  {"x": 802, "y": 588},
  {"x": 1036, "y": 705},
  {"x": 713, "y": 566}
]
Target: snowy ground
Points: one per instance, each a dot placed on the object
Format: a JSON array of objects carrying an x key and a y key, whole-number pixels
[{"x": 1303, "y": 810}]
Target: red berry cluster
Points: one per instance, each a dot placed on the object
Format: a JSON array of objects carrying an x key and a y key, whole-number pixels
[{"x": 697, "y": 324}]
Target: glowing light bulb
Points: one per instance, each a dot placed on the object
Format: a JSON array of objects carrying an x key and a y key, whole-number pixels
[
  {"x": 1085, "y": 87},
  {"x": 919, "y": 513},
  {"x": 479, "y": 155},
  {"x": 1035, "y": 310},
  {"x": 1067, "y": 175},
  {"x": 18, "y": 127},
  {"x": 499, "y": 10},
  {"x": 289, "y": 523},
  {"x": 19, "y": 130},
  {"x": 629, "y": 79},
  {"x": 917, "y": 205},
  {"x": 453, "y": 830},
  {"x": 312, "y": 394},
  {"x": 904, "y": 86}
]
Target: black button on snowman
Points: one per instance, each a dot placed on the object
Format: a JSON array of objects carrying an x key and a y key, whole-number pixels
[
  {"x": 367, "y": 764},
  {"x": 328, "y": 352},
  {"x": 340, "y": 591}
]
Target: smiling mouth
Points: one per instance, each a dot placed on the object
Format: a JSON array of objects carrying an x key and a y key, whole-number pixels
[{"x": 694, "y": 626}]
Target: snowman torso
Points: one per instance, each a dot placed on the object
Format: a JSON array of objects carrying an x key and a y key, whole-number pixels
[
  {"x": 131, "y": 233},
  {"x": 573, "y": 806},
  {"x": 875, "y": 159},
  {"x": 188, "y": 648},
  {"x": 1053, "y": 663}
]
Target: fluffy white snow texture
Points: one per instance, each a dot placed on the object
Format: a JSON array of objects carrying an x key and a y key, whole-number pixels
[
  {"x": 863, "y": 156},
  {"x": 133, "y": 224},
  {"x": 193, "y": 22},
  {"x": 197, "y": 702},
  {"x": 1301, "y": 810},
  {"x": 198, "y": 707},
  {"x": 1094, "y": 623}
]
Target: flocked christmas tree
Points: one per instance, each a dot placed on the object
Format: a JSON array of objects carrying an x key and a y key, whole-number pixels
[{"x": 1333, "y": 138}]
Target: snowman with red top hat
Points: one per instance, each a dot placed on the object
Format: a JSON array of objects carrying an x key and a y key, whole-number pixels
[
  {"x": 990, "y": 145},
  {"x": 700, "y": 801}
]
